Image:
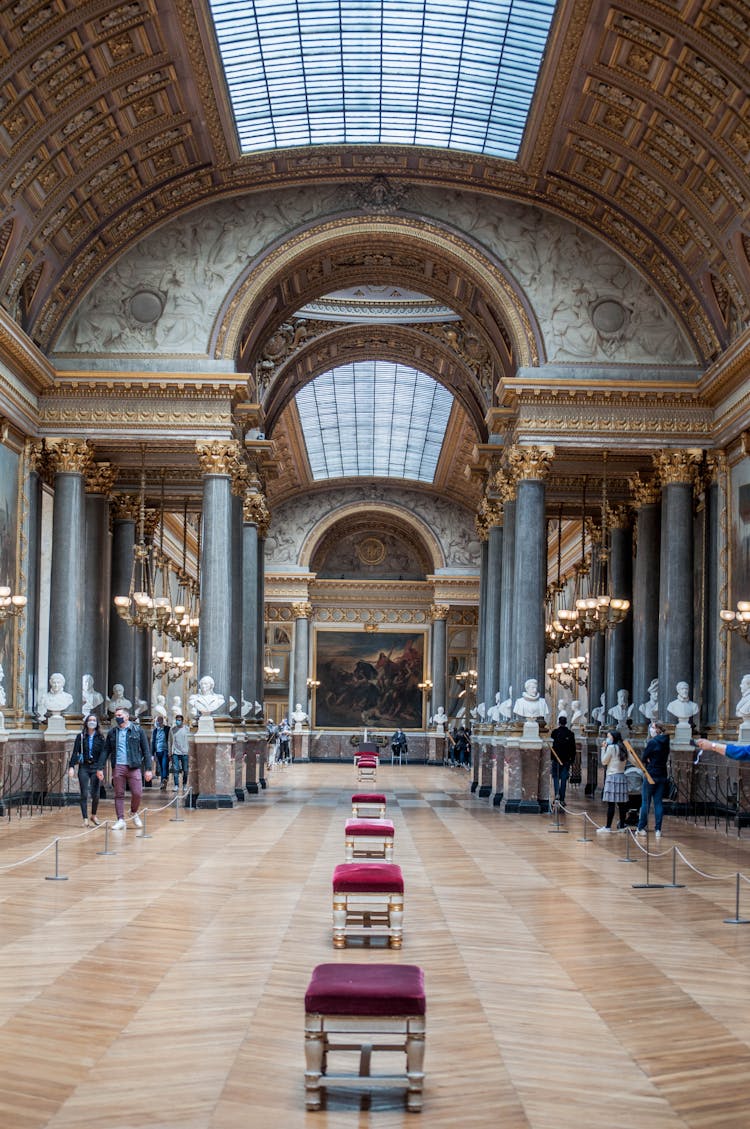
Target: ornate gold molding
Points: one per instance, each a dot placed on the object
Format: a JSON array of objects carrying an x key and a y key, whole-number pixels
[
  {"x": 69, "y": 456},
  {"x": 531, "y": 462},
  {"x": 219, "y": 456},
  {"x": 677, "y": 467}
]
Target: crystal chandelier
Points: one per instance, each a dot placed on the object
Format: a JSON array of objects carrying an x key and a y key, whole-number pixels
[
  {"x": 738, "y": 620},
  {"x": 10, "y": 605},
  {"x": 141, "y": 607},
  {"x": 600, "y": 611}
]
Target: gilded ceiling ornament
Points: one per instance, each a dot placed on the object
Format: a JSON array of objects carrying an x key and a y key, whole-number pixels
[
  {"x": 379, "y": 195},
  {"x": 220, "y": 456},
  {"x": 439, "y": 611},
  {"x": 302, "y": 611},
  {"x": 370, "y": 550},
  {"x": 677, "y": 466},
  {"x": 645, "y": 492},
  {"x": 69, "y": 456},
  {"x": 100, "y": 478},
  {"x": 531, "y": 462}
]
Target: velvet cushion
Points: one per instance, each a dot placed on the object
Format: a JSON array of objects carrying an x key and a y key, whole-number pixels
[
  {"x": 368, "y": 798},
  {"x": 367, "y": 762},
  {"x": 366, "y": 989},
  {"x": 368, "y": 878},
  {"x": 378, "y": 827}
]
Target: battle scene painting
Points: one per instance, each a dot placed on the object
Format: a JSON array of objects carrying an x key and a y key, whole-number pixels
[{"x": 369, "y": 680}]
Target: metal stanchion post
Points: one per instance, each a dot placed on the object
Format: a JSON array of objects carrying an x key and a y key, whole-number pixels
[
  {"x": 106, "y": 850},
  {"x": 584, "y": 838},
  {"x": 557, "y": 829},
  {"x": 627, "y": 849},
  {"x": 737, "y": 920},
  {"x": 57, "y": 876},
  {"x": 674, "y": 884},
  {"x": 648, "y": 884},
  {"x": 177, "y": 818},
  {"x": 144, "y": 833}
]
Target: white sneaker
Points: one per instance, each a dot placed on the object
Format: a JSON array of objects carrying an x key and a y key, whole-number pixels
[
  {"x": 137, "y": 821},
  {"x": 658, "y": 834},
  {"x": 119, "y": 825},
  {"x": 175, "y": 787},
  {"x": 642, "y": 831},
  {"x": 604, "y": 830}
]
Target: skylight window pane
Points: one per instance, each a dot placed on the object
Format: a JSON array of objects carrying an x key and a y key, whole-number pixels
[
  {"x": 376, "y": 419},
  {"x": 459, "y": 74}
]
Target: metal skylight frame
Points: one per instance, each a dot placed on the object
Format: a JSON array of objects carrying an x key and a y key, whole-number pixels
[
  {"x": 450, "y": 74},
  {"x": 375, "y": 419}
]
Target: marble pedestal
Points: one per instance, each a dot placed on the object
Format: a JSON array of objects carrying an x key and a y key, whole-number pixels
[
  {"x": 522, "y": 777},
  {"x": 213, "y": 775},
  {"x": 301, "y": 746},
  {"x": 486, "y": 770},
  {"x": 436, "y": 749}
]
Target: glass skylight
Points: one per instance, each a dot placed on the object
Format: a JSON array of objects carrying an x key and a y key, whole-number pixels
[
  {"x": 453, "y": 74},
  {"x": 376, "y": 419}
]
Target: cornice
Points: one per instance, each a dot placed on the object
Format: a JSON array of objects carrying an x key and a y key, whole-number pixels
[
  {"x": 27, "y": 363},
  {"x": 729, "y": 373}
]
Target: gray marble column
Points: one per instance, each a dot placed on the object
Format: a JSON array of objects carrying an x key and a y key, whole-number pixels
[
  {"x": 710, "y": 679},
  {"x": 252, "y": 658},
  {"x": 261, "y": 600},
  {"x": 218, "y": 462},
  {"x": 98, "y": 598},
  {"x": 676, "y": 619},
  {"x": 69, "y": 459},
  {"x": 121, "y": 636},
  {"x": 482, "y": 633},
  {"x": 619, "y": 640},
  {"x": 30, "y": 634},
  {"x": 439, "y": 616},
  {"x": 531, "y": 465},
  {"x": 301, "y": 664},
  {"x": 505, "y": 646},
  {"x": 235, "y": 658},
  {"x": 645, "y": 609},
  {"x": 491, "y": 615}
]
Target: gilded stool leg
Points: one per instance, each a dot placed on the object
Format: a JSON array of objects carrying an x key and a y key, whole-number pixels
[
  {"x": 389, "y": 850},
  {"x": 415, "y": 1070},
  {"x": 339, "y": 921},
  {"x": 314, "y": 1053},
  {"x": 349, "y": 848},
  {"x": 396, "y": 920}
]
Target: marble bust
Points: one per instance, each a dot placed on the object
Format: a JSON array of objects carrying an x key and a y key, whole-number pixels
[
  {"x": 3, "y": 699},
  {"x": 176, "y": 708},
  {"x": 577, "y": 715},
  {"x": 531, "y": 704},
  {"x": 682, "y": 708},
  {"x": 623, "y": 709},
  {"x": 298, "y": 717},
  {"x": 500, "y": 711},
  {"x": 650, "y": 709},
  {"x": 118, "y": 701},
  {"x": 159, "y": 708},
  {"x": 439, "y": 720},
  {"x": 598, "y": 712},
  {"x": 743, "y": 706},
  {"x": 90, "y": 698},
  {"x": 206, "y": 700},
  {"x": 57, "y": 697}
]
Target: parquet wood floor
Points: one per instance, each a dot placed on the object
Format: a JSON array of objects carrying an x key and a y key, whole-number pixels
[{"x": 162, "y": 986}]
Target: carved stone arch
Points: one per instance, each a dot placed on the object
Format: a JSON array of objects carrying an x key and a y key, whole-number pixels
[
  {"x": 352, "y": 250},
  {"x": 401, "y": 344},
  {"x": 381, "y": 515}
]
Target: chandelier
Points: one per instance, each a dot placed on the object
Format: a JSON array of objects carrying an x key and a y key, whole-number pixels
[
  {"x": 142, "y": 607},
  {"x": 270, "y": 671},
  {"x": 10, "y": 605},
  {"x": 600, "y": 610},
  {"x": 739, "y": 620},
  {"x": 570, "y": 674},
  {"x": 169, "y": 666},
  {"x": 556, "y": 634},
  {"x": 184, "y": 621}
]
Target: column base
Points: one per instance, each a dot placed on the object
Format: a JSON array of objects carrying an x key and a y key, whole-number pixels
[
  {"x": 485, "y": 790},
  {"x": 497, "y": 799},
  {"x": 239, "y": 795},
  {"x": 253, "y": 788},
  {"x": 212, "y": 802},
  {"x": 526, "y": 807}
]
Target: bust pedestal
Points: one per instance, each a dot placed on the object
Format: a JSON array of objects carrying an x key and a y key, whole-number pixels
[
  {"x": 743, "y": 737},
  {"x": 214, "y": 775},
  {"x": 56, "y": 727},
  {"x": 436, "y": 748},
  {"x": 683, "y": 734},
  {"x": 522, "y": 775}
]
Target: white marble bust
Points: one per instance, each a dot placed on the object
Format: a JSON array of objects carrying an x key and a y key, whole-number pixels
[
  {"x": 90, "y": 698},
  {"x": 531, "y": 704},
  {"x": 3, "y": 699},
  {"x": 439, "y": 720},
  {"x": 682, "y": 708},
  {"x": 159, "y": 708},
  {"x": 650, "y": 709},
  {"x": 176, "y": 707},
  {"x": 118, "y": 701},
  {"x": 299, "y": 717},
  {"x": 57, "y": 697},
  {"x": 743, "y": 706},
  {"x": 206, "y": 700},
  {"x": 497, "y": 713},
  {"x": 622, "y": 710},
  {"x": 577, "y": 715},
  {"x": 598, "y": 712}
]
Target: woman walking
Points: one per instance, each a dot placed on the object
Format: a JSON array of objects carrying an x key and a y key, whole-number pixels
[
  {"x": 616, "y": 790},
  {"x": 88, "y": 751}
]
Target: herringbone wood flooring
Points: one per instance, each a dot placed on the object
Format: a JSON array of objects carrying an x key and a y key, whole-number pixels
[{"x": 162, "y": 986}]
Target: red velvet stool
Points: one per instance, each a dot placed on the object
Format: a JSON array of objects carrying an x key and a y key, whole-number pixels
[
  {"x": 367, "y": 769},
  {"x": 365, "y": 1008},
  {"x": 368, "y": 901},
  {"x": 368, "y": 805},
  {"x": 368, "y": 839}
]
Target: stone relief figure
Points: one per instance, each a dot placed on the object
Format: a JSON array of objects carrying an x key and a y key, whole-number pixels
[
  {"x": 90, "y": 698},
  {"x": 206, "y": 700},
  {"x": 531, "y": 704},
  {"x": 682, "y": 708},
  {"x": 118, "y": 700},
  {"x": 57, "y": 698},
  {"x": 650, "y": 709}
]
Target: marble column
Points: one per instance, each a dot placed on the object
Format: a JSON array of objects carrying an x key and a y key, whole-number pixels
[
  {"x": 505, "y": 645},
  {"x": 122, "y": 637},
  {"x": 218, "y": 461},
  {"x": 255, "y": 519},
  {"x": 619, "y": 639},
  {"x": 302, "y": 613},
  {"x": 235, "y": 657},
  {"x": 69, "y": 459},
  {"x": 530, "y": 466},
  {"x": 97, "y": 576},
  {"x": 491, "y": 611},
  {"x": 30, "y": 627},
  {"x": 712, "y": 539},
  {"x": 439, "y": 617},
  {"x": 645, "y": 610},
  {"x": 482, "y": 633},
  {"x": 676, "y": 472}
]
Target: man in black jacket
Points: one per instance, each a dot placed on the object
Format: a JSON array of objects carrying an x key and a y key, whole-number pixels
[
  {"x": 128, "y": 749},
  {"x": 563, "y": 756}
]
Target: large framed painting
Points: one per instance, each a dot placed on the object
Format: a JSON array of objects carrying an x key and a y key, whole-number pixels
[{"x": 369, "y": 680}]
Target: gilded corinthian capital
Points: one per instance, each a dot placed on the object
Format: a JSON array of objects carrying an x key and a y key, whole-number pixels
[
  {"x": 69, "y": 456},
  {"x": 220, "y": 456},
  {"x": 302, "y": 611},
  {"x": 529, "y": 462},
  {"x": 100, "y": 478},
  {"x": 489, "y": 514},
  {"x": 677, "y": 466},
  {"x": 504, "y": 484},
  {"x": 438, "y": 611},
  {"x": 255, "y": 511},
  {"x": 645, "y": 492}
]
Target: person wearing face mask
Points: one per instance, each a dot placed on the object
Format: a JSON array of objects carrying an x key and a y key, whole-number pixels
[
  {"x": 616, "y": 791},
  {"x": 128, "y": 750},
  {"x": 89, "y": 758},
  {"x": 655, "y": 761}
]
